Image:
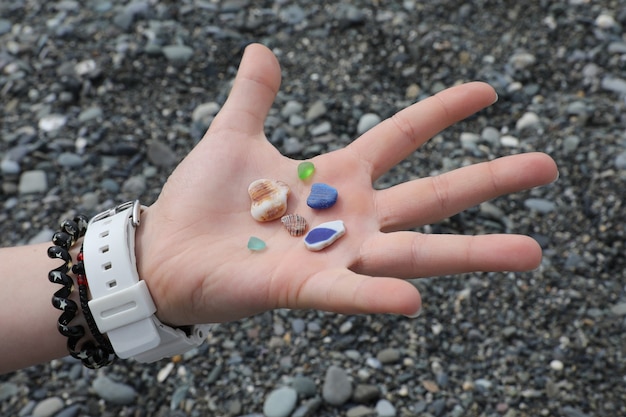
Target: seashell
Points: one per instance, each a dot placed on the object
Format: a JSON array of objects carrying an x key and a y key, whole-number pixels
[
  {"x": 324, "y": 235},
  {"x": 295, "y": 224},
  {"x": 322, "y": 196},
  {"x": 269, "y": 199}
]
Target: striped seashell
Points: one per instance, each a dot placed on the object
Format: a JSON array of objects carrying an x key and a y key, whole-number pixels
[
  {"x": 295, "y": 224},
  {"x": 269, "y": 199}
]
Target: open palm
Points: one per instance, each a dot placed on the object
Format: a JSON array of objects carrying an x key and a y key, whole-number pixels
[{"x": 192, "y": 244}]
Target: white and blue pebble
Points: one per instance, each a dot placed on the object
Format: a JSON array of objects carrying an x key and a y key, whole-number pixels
[
  {"x": 322, "y": 196},
  {"x": 324, "y": 235}
]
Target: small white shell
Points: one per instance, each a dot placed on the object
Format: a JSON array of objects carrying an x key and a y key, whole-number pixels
[
  {"x": 295, "y": 224},
  {"x": 269, "y": 199}
]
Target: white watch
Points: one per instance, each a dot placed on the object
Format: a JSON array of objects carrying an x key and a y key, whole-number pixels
[{"x": 121, "y": 304}]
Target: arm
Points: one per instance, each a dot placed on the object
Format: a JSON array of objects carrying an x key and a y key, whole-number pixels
[{"x": 29, "y": 322}]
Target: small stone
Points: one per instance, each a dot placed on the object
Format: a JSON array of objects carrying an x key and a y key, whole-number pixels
[
  {"x": 366, "y": 122},
  {"x": 322, "y": 196},
  {"x": 269, "y": 199},
  {"x": 308, "y": 409},
  {"x": 388, "y": 356},
  {"x": 361, "y": 411},
  {"x": 556, "y": 365},
  {"x": 113, "y": 392},
  {"x": 280, "y": 402},
  {"x": 385, "y": 409},
  {"x": 540, "y": 205},
  {"x": 337, "y": 387},
  {"x": 177, "y": 54},
  {"x": 33, "y": 182},
  {"x": 48, "y": 407},
  {"x": 255, "y": 244},
  {"x": 52, "y": 122},
  {"x": 324, "y": 235},
  {"x": 305, "y": 170}
]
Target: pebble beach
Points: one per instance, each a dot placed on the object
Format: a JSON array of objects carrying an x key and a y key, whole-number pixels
[{"x": 102, "y": 98}]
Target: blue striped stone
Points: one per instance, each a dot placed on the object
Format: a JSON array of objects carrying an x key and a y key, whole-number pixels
[
  {"x": 322, "y": 196},
  {"x": 324, "y": 235}
]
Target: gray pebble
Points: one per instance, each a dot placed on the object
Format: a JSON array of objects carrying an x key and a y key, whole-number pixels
[
  {"x": 33, "y": 182},
  {"x": 317, "y": 110},
  {"x": 8, "y": 390},
  {"x": 619, "y": 309},
  {"x": 161, "y": 155},
  {"x": 360, "y": 411},
  {"x": 298, "y": 326},
  {"x": 620, "y": 161},
  {"x": 280, "y": 402},
  {"x": 48, "y": 407},
  {"x": 9, "y": 167},
  {"x": 92, "y": 113},
  {"x": 135, "y": 185},
  {"x": 70, "y": 160},
  {"x": 52, "y": 122},
  {"x": 529, "y": 120},
  {"x": 308, "y": 409},
  {"x": 365, "y": 393},
  {"x": 304, "y": 386},
  {"x": 540, "y": 205},
  {"x": 385, "y": 409},
  {"x": 337, "y": 386},
  {"x": 573, "y": 412},
  {"x": 292, "y": 146},
  {"x": 177, "y": 54},
  {"x": 570, "y": 143},
  {"x": 41, "y": 237},
  {"x": 614, "y": 84},
  {"x": 522, "y": 60},
  {"x": 321, "y": 129},
  {"x": 366, "y": 122},
  {"x": 113, "y": 392},
  {"x": 205, "y": 112},
  {"x": 389, "y": 355},
  {"x": 71, "y": 411},
  {"x": 291, "y": 108},
  {"x": 5, "y": 26}
]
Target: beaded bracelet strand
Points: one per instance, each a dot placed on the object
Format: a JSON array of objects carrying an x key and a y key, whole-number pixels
[{"x": 92, "y": 356}]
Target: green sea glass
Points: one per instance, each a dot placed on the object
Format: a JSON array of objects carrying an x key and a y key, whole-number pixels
[
  {"x": 305, "y": 170},
  {"x": 255, "y": 244}
]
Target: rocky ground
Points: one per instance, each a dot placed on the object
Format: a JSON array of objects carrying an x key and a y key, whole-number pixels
[{"x": 101, "y": 98}]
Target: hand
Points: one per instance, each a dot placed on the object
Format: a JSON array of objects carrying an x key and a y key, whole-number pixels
[{"x": 192, "y": 244}]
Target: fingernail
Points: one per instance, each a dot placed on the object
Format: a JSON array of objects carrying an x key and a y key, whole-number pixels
[
  {"x": 416, "y": 314},
  {"x": 496, "y": 100},
  {"x": 558, "y": 174}
]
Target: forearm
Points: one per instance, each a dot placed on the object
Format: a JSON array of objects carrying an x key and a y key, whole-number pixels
[{"x": 28, "y": 332}]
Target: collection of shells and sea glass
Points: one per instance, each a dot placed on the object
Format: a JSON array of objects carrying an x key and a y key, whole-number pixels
[{"x": 269, "y": 202}]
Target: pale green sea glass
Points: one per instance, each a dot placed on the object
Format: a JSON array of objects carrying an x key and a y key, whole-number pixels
[{"x": 256, "y": 244}]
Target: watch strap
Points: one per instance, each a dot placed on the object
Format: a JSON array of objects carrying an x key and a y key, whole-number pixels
[{"x": 121, "y": 303}]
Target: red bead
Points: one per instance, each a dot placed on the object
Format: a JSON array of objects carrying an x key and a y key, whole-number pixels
[
  {"x": 81, "y": 279},
  {"x": 80, "y": 256}
]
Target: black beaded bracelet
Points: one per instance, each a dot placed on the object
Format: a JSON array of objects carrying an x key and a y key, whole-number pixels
[{"x": 92, "y": 355}]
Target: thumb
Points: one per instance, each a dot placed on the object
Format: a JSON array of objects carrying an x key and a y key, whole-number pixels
[{"x": 255, "y": 87}]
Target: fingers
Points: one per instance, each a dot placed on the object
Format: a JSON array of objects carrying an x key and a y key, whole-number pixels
[
  {"x": 345, "y": 292},
  {"x": 255, "y": 87},
  {"x": 414, "y": 255},
  {"x": 429, "y": 200},
  {"x": 394, "y": 139}
]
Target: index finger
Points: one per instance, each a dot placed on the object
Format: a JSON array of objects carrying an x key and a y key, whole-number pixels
[{"x": 388, "y": 143}]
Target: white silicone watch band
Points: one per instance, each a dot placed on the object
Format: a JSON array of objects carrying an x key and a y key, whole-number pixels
[{"x": 121, "y": 303}]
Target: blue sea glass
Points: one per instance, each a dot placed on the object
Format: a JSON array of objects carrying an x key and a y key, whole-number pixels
[{"x": 322, "y": 196}]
